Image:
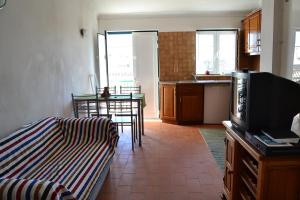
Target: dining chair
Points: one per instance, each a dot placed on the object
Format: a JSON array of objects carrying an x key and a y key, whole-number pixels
[
  {"x": 102, "y": 105},
  {"x": 112, "y": 90},
  {"x": 130, "y": 89},
  {"x": 84, "y": 108},
  {"x": 125, "y": 118},
  {"x": 100, "y": 110}
]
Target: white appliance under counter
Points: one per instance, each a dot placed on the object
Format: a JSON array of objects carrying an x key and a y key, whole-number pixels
[{"x": 216, "y": 103}]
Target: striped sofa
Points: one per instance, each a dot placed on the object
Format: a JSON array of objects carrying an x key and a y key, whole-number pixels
[{"x": 57, "y": 158}]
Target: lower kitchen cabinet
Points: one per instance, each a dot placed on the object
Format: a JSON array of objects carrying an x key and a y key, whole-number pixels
[
  {"x": 168, "y": 102},
  {"x": 190, "y": 101},
  {"x": 182, "y": 103}
]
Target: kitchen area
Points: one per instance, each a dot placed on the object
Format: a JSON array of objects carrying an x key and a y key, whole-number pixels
[
  {"x": 190, "y": 98},
  {"x": 195, "y": 101}
]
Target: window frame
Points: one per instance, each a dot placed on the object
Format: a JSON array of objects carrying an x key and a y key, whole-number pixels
[{"x": 216, "y": 44}]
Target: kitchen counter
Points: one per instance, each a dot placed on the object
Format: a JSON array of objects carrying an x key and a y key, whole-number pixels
[
  {"x": 197, "y": 82},
  {"x": 195, "y": 101}
]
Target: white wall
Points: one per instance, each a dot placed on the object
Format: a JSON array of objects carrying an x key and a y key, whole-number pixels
[
  {"x": 271, "y": 35},
  {"x": 292, "y": 23},
  {"x": 43, "y": 58},
  {"x": 280, "y": 19},
  {"x": 267, "y": 27},
  {"x": 164, "y": 24}
]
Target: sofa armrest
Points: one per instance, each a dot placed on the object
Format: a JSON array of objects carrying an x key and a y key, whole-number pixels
[
  {"x": 89, "y": 130},
  {"x": 33, "y": 189}
]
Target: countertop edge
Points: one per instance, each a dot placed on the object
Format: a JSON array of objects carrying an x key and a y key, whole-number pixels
[{"x": 196, "y": 82}]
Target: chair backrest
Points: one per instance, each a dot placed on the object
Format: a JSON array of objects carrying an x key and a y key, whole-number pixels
[
  {"x": 122, "y": 105},
  {"x": 83, "y": 107},
  {"x": 130, "y": 89},
  {"x": 75, "y": 110},
  {"x": 100, "y": 107},
  {"x": 112, "y": 90}
]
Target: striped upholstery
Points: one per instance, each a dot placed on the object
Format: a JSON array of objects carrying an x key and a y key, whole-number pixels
[{"x": 55, "y": 158}]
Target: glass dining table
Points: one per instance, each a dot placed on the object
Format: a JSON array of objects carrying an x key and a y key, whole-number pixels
[{"x": 88, "y": 99}]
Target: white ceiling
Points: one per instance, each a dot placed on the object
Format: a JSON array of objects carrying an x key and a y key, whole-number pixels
[{"x": 174, "y": 7}]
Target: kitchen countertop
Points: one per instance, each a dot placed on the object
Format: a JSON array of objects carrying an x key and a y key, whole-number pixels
[{"x": 197, "y": 82}]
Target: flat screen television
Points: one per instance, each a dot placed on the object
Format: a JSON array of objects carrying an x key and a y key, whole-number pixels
[{"x": 262, "y": 100}]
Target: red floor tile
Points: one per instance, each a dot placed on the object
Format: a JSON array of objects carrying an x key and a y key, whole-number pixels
[{"x": 174, "y": 163}]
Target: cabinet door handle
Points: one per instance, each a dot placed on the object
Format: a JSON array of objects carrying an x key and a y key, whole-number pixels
[{"x": 226, "y": 141}]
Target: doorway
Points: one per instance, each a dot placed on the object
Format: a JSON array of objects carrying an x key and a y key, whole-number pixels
[{"x": 132, "y": 60}]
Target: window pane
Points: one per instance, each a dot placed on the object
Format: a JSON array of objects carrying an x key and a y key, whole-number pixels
[
  {"x": 227, "y": 52},
  {"x": 297, "y": 49},
  {"x": 216, "y": 52},
  {"x": 296, "y": 75},
  {"x": 297, "y": 56},
  {"x": 205, "y": 53},
  {"x": 120, "y": 65},
  {"x": 297, "y": 42}
]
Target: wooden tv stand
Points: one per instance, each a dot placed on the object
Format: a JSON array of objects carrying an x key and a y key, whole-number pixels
[{"x": 251, "y": 175}]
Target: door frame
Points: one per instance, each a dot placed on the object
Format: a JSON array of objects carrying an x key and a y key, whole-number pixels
[
  {"x": 105, "y": 44},
  {"x": 106, "y": 33},
  {"x": 130, "y": 32}
]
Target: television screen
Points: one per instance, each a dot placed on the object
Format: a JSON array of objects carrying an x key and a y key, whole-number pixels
[{"x": 263, "y": 101}]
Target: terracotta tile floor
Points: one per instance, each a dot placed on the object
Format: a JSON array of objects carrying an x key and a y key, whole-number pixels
[{"x": 174, "y": 163}]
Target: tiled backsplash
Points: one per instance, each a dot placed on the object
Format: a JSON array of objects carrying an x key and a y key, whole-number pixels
[{"x": 177, "y": 55}]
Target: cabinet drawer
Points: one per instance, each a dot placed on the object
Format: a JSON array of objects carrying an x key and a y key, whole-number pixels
[{"x": 190, "y": 89}]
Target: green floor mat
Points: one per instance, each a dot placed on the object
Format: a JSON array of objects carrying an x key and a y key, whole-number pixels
[{"x": 215, "y": 140}]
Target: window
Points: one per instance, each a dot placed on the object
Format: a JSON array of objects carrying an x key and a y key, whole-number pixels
[
  {"x": 120, "y": 58},
  {"x": 216, "y": 51},
  {"x": 296, "y": 62},
  {"x": 297, "y": 49}
]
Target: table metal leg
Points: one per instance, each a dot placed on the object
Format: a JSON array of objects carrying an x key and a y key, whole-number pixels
[
  {"x": 88, "y": 108},
  {"x": 142, "y": 117},
  {"x": 140, "y": 122},
  {"x": 76, "y": 110}
]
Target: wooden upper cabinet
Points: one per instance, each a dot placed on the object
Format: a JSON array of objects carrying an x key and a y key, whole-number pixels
[
  {"x": 246, "y": 27},
  {"x": 252, "y": 31}
]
